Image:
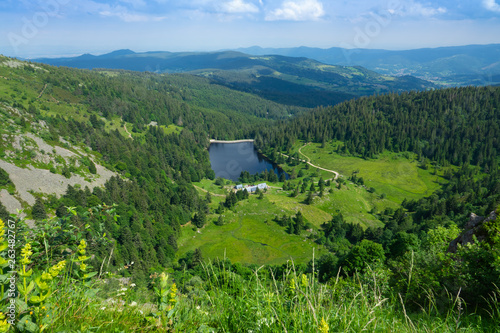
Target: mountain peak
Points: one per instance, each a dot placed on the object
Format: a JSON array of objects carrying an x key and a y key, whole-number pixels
[{"x": 117, "y": 53}]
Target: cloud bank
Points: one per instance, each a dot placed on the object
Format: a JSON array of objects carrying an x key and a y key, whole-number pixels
[{"x": 298, "y": 10}]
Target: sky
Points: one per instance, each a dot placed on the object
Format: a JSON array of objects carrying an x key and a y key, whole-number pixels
[{"x": 36, "y": 28}]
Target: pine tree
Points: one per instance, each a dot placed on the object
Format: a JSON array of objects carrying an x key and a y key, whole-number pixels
[
  {"x": 309, "y": 198},
  {"x": 282, "y": 177},
  {"x": 92, "y": 168},
  {"x": 38, "y": 211},
  {"x": 219, "y": 221},
  {"x": 299, "y": 223},
  {"x": 4, "y": 214}
]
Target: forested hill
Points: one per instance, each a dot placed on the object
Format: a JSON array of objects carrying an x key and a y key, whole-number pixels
[
  {"x": 447, "y": 66},
  {"x": 287, "y": 80},
  {"x": 150, "y": 130},
  {"x": 456, "y": 126}
]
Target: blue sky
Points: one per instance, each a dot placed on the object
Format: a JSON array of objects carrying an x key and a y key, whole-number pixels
[{"x": 32, "y": 28}]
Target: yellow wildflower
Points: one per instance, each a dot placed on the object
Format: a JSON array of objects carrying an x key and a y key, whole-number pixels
[
  {"x": 4, "y": 325},
  {"x": 163, "y": 280},
  {"x": 26, "y": 253},
  {"x": 56, "y": 269},
  {"x": 304, "y": 281},
  {"x": 82, "y": 247},
  {"x": 173, "y": 293},
  {"x": 291, "y": 285},
  {"x": 323, "y": 326},
  {"x": 2, "y": 230}
]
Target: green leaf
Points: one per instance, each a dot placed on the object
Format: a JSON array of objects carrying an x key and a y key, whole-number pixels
[
  {"x": 30, "y": 287},
  {"x": 26, "y": 325},
  {"x": 89, "y": 275},
  {"x": 3, "y": 278},
  {"x": 36, "y": 299},
  {"x": 21, "y": 305}
]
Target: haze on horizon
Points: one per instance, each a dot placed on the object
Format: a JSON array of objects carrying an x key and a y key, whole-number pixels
[{"x": 35, "y": 28}]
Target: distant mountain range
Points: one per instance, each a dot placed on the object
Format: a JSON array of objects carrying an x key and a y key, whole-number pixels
[
  {"x": 289, "y": 80},
  {"x": 458, "y": 65}
]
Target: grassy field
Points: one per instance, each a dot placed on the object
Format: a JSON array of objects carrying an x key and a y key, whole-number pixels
[
  {"x": 250, "y": 234},
  {"x": 391, "y": 173}
]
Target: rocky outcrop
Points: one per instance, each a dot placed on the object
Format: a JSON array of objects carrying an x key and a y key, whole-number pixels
[{"x": 474, "y": 227}]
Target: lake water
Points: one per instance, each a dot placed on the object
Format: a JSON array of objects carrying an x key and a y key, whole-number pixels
[{"x": 230, "y": 159}]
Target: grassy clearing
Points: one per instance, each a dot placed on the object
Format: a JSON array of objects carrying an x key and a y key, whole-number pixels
[
  {"x": 248, "y": 236},
  {"x": 393, "y": 174},
  {"x": 208, "y": 185},
  {"x": 171, "y": 129}
]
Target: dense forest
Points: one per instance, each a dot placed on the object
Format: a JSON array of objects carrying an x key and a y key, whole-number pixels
[
  {"x": 444, "y": 127},
  {"x": 454, "y": 126}
]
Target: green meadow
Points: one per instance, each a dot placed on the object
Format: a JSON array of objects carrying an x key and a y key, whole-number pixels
[
  {"x": 397, "y": 175},
  {"x": 250, "y": 234}
]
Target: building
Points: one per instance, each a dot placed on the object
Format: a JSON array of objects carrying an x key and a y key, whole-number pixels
[{"x": 254, "y": 188}]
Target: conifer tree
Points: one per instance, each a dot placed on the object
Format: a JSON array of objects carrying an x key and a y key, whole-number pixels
[{"x": 38, "y": 211}]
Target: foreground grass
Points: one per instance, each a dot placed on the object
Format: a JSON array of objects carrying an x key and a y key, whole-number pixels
[
  {"x": 224, "y": 301},
  {"x": 64, "y": 295}
]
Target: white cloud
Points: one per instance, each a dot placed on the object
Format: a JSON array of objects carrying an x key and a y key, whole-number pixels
[
  {"x": 491, "y": 5},
  {"x": 297, "y": 10},
  {"x": 123, "y": 13},
  {"x": 412, "y": 8},
  {"x": 239, "y": 6},
  {"x": 125, "y": 16}
]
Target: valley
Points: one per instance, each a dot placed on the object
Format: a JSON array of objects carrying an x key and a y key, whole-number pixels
[{"x": 375, "y": 188}]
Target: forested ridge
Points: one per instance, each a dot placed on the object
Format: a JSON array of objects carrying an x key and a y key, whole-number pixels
[
  {"x": 447, "y": 126},
  {"x": 153, "y": 193},
  {"x": 450, "y": 127}
]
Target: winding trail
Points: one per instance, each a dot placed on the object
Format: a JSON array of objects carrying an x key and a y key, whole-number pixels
[
  {"x": 337, "y": 175},
  {"x": 43, "y": 90},
  {"x": 126, "y": 130}
]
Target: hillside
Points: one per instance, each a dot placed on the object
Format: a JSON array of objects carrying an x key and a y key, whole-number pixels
[
  {"x": 446, "y": 66},
  {"x": 78, "y": 138},
  {"x": 291, "y": 81}
]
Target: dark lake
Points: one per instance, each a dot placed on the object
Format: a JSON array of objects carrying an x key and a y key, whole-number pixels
[{"x": 230, "y": 159}]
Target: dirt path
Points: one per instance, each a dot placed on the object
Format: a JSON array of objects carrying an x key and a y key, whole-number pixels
[
  {"x": 126, "y": 130},
  {"x": 300, "y": 152},
  {"x": 43, "y": 90},
  {"x": 213, "y": 194},
  {"x": 337, "y": 175}
]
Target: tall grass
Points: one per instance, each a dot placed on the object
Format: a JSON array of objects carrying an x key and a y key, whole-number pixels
[{"x": 70, "y": 298}]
